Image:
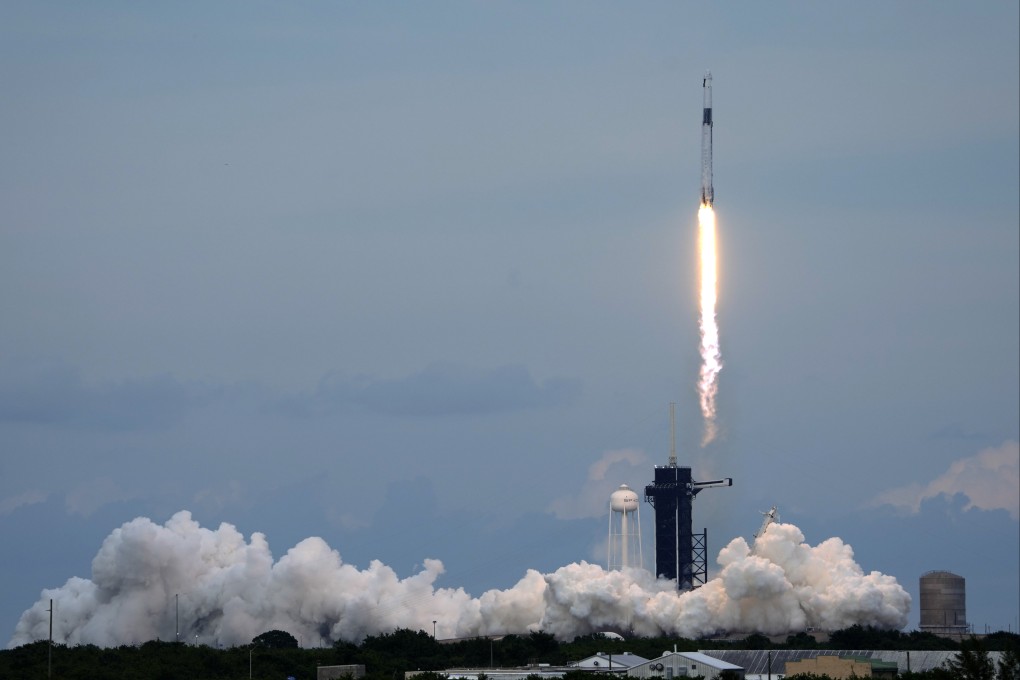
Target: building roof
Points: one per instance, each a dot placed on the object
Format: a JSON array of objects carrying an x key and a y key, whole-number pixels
[
  {"x": 696, "y": 657},
  {"x": 756, "y": 661},
  {"x": 712, "y": 661},
  {"x": 545, "y": 672},
  {"x": 603, "y": 661}
]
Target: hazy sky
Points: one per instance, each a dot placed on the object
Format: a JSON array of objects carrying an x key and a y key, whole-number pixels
[{"x": 419, "y": 278}]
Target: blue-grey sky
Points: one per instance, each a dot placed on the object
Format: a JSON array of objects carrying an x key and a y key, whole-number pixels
[{"x": 420, "y": 278}]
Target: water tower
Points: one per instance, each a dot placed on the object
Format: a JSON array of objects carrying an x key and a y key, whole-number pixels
[{"x": 624, "y": 529}]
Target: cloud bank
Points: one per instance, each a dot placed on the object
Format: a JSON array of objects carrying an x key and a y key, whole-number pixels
[
  {"x": 989, "y": 480},
  {"x": 56, "y": 394},
  {"x": 593, "y": 498},
  {"x": 440, "y": 389},
  {"x": 229, "y": 590},
  {"x": 30, "y": 497}
]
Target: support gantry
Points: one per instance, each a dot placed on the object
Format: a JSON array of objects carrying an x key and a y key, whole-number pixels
[{"x": 680, "y": 554}]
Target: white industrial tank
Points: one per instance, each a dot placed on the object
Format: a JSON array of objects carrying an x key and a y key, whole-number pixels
[{"x": 624, "y": 529}]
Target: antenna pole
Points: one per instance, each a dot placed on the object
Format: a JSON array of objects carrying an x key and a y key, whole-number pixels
[
  {"x": 672, "y": 434},
  {"x": 49, "y": 653}
]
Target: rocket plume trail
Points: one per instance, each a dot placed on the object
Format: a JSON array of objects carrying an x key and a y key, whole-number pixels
[{"x": 711, "y": 358}]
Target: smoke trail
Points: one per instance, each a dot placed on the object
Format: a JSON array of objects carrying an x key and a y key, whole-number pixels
[
  {"x": 711, "y": 357},
  {"x": 230, "y": 591}
]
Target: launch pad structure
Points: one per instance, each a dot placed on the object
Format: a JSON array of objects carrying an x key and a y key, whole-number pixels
[{"x": 680, "y": 554}]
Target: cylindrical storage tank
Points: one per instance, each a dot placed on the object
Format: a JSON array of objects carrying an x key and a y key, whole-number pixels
[{"x": 943, "y": 603}]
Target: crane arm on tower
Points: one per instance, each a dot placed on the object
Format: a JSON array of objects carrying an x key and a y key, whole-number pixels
[{"x": 728, "y": 481}]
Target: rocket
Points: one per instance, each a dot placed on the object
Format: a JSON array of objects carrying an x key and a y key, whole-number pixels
[{"x": 707, "y": 192}]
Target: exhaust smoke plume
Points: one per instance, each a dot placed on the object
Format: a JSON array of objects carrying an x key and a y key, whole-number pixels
[
  {"x": 231, "y": 590},
  {"x": 711, "y": 357}
]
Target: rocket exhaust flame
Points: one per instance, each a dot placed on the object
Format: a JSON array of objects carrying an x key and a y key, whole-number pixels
[{"x": 711, "y": 357}]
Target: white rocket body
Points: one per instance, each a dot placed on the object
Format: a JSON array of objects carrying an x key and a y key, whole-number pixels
[{"x": 707, "y": 192}]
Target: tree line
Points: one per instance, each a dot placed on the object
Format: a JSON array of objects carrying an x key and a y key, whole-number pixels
[{"x": 275, "y": 655}]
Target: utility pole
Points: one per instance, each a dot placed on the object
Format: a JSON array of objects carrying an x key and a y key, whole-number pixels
[{"x": 49, "y": 652}]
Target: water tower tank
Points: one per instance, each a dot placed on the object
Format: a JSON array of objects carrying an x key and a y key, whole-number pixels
[
  {"x": 624, "y": 529},
  {"x": 943, "y": 603},
  {"x": 623, "y": 500}
]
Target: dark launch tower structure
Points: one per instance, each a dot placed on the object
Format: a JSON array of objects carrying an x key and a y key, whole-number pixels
[{"x": 680, "y": 554}]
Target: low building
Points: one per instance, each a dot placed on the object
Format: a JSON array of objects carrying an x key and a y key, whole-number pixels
[
  {"x": 613, "y": 663},
  {"x": 336, "y": 672},
  {"x": 684, "y": 665},
  {"x": 757, "y": 662},
  {"x": 839, "y": 667},
  {"x": 668, "y": 666},
  {"x": 542, "y": 670}
]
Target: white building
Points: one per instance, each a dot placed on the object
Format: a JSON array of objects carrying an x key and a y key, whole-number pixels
[
  {"x": 668, "y": 666},
  {"x": 684, "y": 665},
  {"x": 613, "y": 663}
]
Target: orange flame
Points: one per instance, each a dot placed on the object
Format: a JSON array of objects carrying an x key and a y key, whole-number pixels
[{"x": 711, "y": 357}]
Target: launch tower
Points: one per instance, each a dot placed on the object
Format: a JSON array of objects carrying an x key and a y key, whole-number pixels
[{"x": 680, "y": 554}]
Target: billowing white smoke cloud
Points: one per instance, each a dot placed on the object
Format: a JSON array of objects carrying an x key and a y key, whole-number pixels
[
  {"x": 783, "y": 585},
  {"x": 231, "y": 590}
]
